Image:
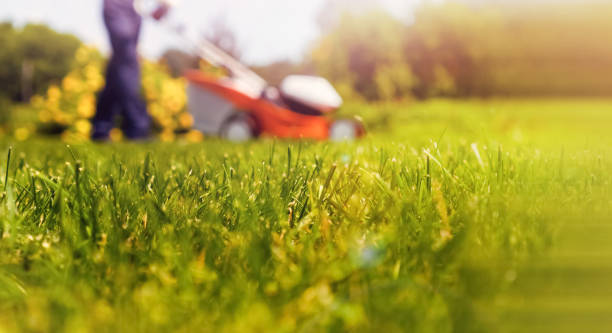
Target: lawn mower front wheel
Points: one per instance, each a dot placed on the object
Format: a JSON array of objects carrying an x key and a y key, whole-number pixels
[{"x": 241, "y": 127}]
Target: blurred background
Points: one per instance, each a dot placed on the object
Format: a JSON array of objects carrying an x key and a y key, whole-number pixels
[
  {"x": 371, "y": 49},
  {"x": 54, "y": 52}
]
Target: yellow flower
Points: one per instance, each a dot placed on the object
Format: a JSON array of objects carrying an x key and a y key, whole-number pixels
[
  {"x": 194, "y": 136},
  {"x": 173, "y": 96},
  {"x": 82, "y": 55},
  {"x": 70, "y": 83},
  {"x": 167, "y": 135},
  {"x": 116, "y": 135},
  {"x": 73, "y": 102},
  {"x": 150, "y": 88},
  {"x": 93, "y": 77},
  {"x": 22, "y": 134},
  {"x": 166, "y": 122},
  {"x": 52, "y": 105},
  {"x": 83, "y": 127},
  {"x": 185, "y": 120},
  {"x": 61, "y": 118},
  {"x": 54, "y": 93},
  {"x": 45, "y": 116},
  {"x": 87, "y": 106}
]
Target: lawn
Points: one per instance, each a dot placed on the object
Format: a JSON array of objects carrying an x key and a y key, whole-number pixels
[{"x": 451, "y": 216}]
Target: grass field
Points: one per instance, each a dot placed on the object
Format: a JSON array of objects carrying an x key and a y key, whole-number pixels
[{"x": 472, "y": 216}]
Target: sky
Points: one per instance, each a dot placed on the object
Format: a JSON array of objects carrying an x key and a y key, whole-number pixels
[{"x": 267, "y": 30}]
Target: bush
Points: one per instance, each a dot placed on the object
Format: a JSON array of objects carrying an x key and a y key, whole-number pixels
[
  {"x": 5, "y": 113},
  {"x": 467, "y": 48},
  {"x": 32, "y": 58},
  {"x": 67, "y": 108}
]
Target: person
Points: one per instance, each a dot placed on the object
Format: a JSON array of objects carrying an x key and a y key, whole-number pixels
[{"x": 121, "y": 94}]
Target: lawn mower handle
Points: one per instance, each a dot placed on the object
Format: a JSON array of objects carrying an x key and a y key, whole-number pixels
[{"x": 219, "y": 58}]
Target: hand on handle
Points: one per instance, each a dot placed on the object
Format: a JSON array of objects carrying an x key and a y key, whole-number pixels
[{"x": 161, "y": 12}]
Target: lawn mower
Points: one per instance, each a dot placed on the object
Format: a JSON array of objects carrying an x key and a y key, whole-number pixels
[{"x": 241, "y": 105}]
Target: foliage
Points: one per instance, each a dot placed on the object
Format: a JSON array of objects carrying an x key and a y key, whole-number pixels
[
  {"x": 9, "y": 74},
  {"x": 276, "y": 72},
  {"x": 417, "y": 228},
  {"x": 5, "y": 113},
  {"x": 70, "y": 106},
  {"x": 364, "y": 52},
  {"x": 472, "y": 48},
  {"x": 167, "y": 101},
  {"x": 48, "y": 53},
  {"x": 178, "y": 62}
]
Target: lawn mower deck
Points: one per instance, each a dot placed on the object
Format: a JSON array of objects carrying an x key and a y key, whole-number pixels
[{"x": 221, "y": 106}]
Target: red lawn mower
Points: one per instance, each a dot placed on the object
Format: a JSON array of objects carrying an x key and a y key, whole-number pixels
[{"x": 242, "y": 105}]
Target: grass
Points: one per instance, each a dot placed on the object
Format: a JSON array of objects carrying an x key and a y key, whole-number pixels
[{"x": 450, "y": 216}]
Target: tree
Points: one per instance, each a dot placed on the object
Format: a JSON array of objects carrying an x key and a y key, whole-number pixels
[
  {"x": 9, "y": 74},
  {"x": 467, "y": 48},
  {"x": 275, "y": 72},
  {"x": 47, "y": 56},
  {"x": 364, "y": 51},
  {"x": 447, "y": 47}
]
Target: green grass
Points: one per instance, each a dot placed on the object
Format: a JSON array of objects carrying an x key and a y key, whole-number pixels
[{"x": 451, "y": 216}]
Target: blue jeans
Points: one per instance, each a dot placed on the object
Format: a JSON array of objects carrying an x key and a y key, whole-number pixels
[{"x": 122, "y": 94}]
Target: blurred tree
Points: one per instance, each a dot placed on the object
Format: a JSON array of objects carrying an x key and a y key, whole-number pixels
[
  {"x": 395, "y": 81},
  {"x": 9, "y": 62},
  {"x": 447, "y": 47},
  {"x": 364, "y": 51},
  {"x": 5, "y": 113},
  {"x": 468, "y": 48},
  {"x": 556, "y": 48},
  {"x": 32, "y": 58},
  {"x": 275, "y": 72},
  {"x": 50, "y": 55}
]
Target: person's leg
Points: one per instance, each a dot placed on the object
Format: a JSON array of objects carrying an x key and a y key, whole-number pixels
[
  {"x": 136, "y": 120},
  {"x": 106, "y": 107}
]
